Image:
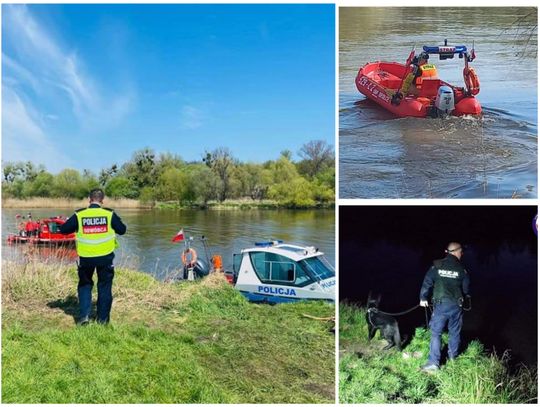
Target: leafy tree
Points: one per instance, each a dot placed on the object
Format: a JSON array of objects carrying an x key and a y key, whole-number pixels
[
  {"x": 316, "y": 155},
  {"x": 324, "y": 185},
  {"x": 41, "y": 186},
  {"x": 69, "y": 184},
  {"x": 297, "y": 193},
  {"x": 147, "y": 195},
  {"x": 89, "y": 181},
  {"x": 205, "y": 183},
  {"x": 11, "y": 172},
  {"x": 121, "y": 187},
  {"x": 221, "y": 161},
  {"x": 167, "y": 160},
  {"x": 254, "y": 181},
  {"x": 14, "y": 189},
  {"x": 327, "y": 177},
  {"x": 287, "y": 154},
  {"x": 141, "y": 168},
  {"x": 21, "y": 171},
  {"x": 283, "y": 170},
  {"x": 106, "y": 174},
  {"x": 175, "y": 184},
  {"x": 288, "y": 188},
  {"x": 322, "y": 193}
]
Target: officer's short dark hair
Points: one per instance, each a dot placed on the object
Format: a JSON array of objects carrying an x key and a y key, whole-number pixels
[{"x": 96, "y": 194}]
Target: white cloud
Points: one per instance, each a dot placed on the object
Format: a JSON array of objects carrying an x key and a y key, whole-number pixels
[
  {"x": 44, "y": 60},
  {"x": 49, "y": 87},
  {"x": 23, "y": 139},
  {"x": 19, "y": 74},
  {"x": 41, "y": 59}
]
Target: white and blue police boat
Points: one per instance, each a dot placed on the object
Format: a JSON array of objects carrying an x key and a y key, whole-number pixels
[{"x": 275, "y": 272}]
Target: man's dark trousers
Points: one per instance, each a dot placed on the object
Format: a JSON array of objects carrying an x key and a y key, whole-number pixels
[
  {"x": 445, "y": 312},
  {"x": 105, "y": 273}
]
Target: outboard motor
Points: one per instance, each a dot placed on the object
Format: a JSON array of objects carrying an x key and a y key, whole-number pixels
[
  {"x": 444, "y": 103},
  {"x": 201, "y": 269}
]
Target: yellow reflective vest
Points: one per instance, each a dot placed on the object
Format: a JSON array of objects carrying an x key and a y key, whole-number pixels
[
  {"x": 426, "y": 71},
  {"x": 95, "y": 235}
]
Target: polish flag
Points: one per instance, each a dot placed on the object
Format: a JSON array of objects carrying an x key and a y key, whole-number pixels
[{"x": 179, "y": 236}]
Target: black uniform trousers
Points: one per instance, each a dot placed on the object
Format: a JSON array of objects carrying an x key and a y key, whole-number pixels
[{"x": 105, "y": 272}]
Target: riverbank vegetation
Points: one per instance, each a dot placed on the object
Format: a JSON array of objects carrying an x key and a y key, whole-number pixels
[
  {"x": 153, "y": 179},
  {"x": 370, "y": 375},
  {"x": 124, "y": 203},
  {"x": 196, "y": 342}
]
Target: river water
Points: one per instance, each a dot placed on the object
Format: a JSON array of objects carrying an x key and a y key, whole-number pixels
[
  {"x": 147, "y": 245},
  {"x": 494, "y": 156}
]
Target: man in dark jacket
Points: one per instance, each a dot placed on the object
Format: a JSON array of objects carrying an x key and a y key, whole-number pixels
[
  {"x": 95, "y": 230},
  {"x": 448, "y": 282}
]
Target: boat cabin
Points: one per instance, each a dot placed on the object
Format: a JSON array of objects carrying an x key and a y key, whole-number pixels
[{"x": 277, "y": 272}]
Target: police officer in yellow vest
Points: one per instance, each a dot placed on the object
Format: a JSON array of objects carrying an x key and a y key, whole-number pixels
[{"x": 95, "y": 228}]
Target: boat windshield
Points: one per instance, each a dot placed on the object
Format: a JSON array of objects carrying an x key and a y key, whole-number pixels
[{"x": 319, "y": 267}]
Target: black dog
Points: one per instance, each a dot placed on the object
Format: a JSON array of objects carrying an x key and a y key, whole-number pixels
[{"x": 387, "y": 324}]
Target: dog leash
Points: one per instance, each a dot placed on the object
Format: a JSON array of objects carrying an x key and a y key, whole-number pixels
[
  {"x": 396, "y": 314},
  {"x": 402, "y": 313}
]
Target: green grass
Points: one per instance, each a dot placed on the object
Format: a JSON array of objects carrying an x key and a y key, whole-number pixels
[
  {"x": 196, "y": 342},
  {"x": 370, "y": 375}
]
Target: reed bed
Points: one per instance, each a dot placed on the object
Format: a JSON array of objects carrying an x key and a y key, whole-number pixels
[{"x": 63, "y": 203}]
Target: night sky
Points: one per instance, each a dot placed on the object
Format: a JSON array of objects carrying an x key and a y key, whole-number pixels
[{"x": 388, "y": 250}]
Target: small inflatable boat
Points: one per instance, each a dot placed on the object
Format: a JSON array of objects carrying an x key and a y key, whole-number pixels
[
  {"x": 274, "y": 272},
  {"x": 42, "y": 232},
  {"x": 413, "y": 89}
]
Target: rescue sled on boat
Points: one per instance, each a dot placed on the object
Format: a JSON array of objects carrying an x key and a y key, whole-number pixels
[
  {"x": 413, "y": 89},
  {"x": 275, "y": 272},
  {"x": 42, "y": 232}
]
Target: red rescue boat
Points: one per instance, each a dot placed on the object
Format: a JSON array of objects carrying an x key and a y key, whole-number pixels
[
  {"x": 413, "y": 89},
  {"x": 43, "y": 231}
]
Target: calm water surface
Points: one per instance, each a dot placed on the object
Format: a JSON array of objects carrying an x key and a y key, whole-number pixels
[
  {"x": 494, "y": 156},
  {"x": 147, "y": 245}
]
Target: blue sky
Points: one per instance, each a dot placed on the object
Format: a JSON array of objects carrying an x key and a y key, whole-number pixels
[{"x": 84, "y": 86}]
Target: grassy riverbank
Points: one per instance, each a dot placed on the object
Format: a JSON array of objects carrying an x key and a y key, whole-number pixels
[
  {"x": 228, "y": 204},
  {"x": 370, "y": 375},
  {"x": 168, "y": 343}
]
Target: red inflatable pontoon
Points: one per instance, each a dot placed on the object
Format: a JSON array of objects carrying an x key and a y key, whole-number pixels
[{"x": 382, "y": 83}]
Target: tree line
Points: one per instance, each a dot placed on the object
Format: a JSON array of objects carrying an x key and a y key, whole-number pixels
[{"x": 166, "y": 177}]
